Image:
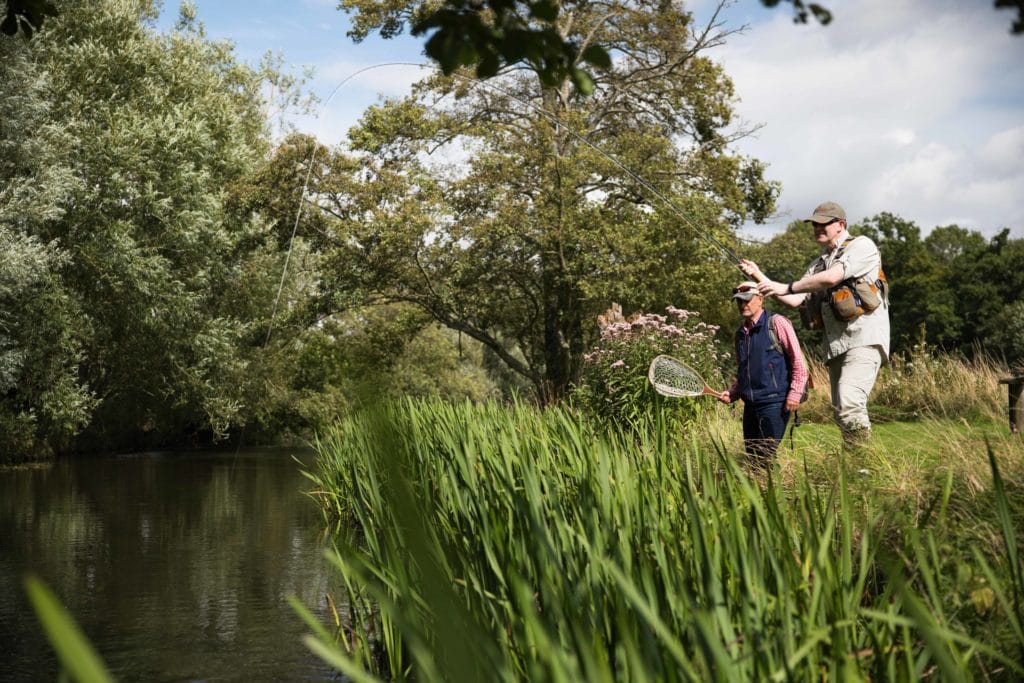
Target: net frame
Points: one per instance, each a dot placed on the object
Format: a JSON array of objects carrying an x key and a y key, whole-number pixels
[{"x": 671, "y": 377}]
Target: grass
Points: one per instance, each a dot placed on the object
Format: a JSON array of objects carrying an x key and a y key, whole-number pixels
[
  {"x": 923, "y": 385},
  {"x": 517, "y": 544}
]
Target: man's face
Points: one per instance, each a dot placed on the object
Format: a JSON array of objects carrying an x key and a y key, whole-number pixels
[
  {"x": 752, "y": 308},
  {"x": 825, "y": 234}
]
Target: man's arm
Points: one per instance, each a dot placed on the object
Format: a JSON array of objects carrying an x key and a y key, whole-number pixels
[
  {"x": 797, "y": 366},
  {"x": 794, "y": 293}
]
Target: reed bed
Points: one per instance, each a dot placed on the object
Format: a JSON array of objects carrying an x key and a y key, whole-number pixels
[{"x": 505, "y": 543}]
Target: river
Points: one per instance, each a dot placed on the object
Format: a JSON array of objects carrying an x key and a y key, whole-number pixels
[{"x": 177, "y": 566}]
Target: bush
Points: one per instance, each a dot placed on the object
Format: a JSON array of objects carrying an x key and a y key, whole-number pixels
[{"x": 613, "y": 386}]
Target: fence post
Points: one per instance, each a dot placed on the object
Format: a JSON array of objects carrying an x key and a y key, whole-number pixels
[{"x": 1015, "y": 389}]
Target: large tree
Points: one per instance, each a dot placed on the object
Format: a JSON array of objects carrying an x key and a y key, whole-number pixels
[
  {"x": 42, "y": 397},
  {"x": 528, "y": 224},
  {"x": 152, "y": 269}
]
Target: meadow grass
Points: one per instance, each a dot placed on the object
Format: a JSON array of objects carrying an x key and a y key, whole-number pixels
[
  {"x": 509, "y": 543},
  {"x": 920, "y": 385}
]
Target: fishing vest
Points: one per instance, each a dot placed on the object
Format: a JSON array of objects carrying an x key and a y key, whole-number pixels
[{"x": 762, "y": 372}]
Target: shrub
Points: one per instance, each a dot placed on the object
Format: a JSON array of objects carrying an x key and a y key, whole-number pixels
[{"x": 613, "y": 387}]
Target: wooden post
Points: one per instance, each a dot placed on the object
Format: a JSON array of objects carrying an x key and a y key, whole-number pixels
[{"x": 1015, "y": 388}]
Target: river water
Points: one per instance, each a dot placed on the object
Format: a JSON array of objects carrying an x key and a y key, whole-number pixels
[{"x": 177, "y": 566}]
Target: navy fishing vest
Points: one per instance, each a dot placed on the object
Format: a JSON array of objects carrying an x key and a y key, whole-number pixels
[{"x": 762, "y": 372}]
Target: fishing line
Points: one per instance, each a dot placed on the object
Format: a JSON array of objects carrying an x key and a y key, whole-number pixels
[
  {"x": 302, "y": 196},
  {"x": 704, "y": 234}
]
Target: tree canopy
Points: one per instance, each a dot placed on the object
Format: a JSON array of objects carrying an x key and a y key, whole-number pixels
[
  {"x": 527, "y": 225},
  {"x": 118, "y": 149},
  {"x": 492, "y": 34}
]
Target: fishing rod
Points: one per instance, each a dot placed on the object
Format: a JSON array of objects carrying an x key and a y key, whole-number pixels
[{"x": 679, "y": 213}]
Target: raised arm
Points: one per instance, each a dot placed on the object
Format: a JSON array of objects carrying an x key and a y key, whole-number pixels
[{"x": 794, "y": 293}]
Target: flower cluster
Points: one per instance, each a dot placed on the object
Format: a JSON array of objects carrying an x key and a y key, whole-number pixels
[{"x": 614, "y": 378}]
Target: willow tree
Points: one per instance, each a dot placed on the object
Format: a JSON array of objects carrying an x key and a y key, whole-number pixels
[
  {"x": 118, "y": 156},
  {"x": 506, "y": 209}
]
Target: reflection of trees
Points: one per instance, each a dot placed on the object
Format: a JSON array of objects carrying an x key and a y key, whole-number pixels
[{"x": 173, "y": 554}]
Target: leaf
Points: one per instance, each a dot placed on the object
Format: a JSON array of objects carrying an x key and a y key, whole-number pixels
[
  {"x": 598, "y": 56},
  {"x": 73, "y": 649},
  {"x": 583, "y": 82},
  {"x": 820, "y": 13},
  {"x": 545, "y": 10}
]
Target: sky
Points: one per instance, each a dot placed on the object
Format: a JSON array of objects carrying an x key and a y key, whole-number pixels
[{"x": 914, "y": 107}]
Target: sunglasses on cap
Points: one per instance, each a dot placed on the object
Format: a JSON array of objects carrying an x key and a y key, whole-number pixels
[
  {"x": 743, "y": 289},
  {"x": 825, "y": 225}
]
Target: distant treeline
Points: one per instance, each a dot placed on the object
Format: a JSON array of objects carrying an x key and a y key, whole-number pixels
[{"x": 954, "y": 289}]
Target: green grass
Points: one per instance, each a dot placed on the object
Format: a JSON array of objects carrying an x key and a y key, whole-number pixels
[{"x": 516, "y": 544}]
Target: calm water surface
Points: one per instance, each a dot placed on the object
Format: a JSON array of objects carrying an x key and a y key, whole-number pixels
[{"x": 177, "y": 566}]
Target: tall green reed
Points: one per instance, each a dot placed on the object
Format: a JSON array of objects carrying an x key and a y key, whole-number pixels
[{"x": 513, "y": 544}]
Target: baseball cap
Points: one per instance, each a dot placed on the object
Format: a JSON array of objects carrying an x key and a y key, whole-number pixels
[
  {"x": 745, "y": 291},
  {"x": 826, "y": 212}
]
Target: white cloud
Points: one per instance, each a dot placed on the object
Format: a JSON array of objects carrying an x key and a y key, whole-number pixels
[
  {"x": 907, "y": 106},
  {"x": 901, "y": 136},
  {"x": 1003, "y": 152}
]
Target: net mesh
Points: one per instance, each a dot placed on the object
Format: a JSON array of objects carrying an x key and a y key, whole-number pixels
[{"x": 670, "y": 377}]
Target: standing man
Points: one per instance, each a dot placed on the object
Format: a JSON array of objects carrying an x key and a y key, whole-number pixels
[
  {"x": 837, "y": 290},
  {"x": 770, "y": 376}
]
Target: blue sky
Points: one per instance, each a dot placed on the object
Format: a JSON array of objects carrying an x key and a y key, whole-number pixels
[{"x": 915, "y": 107}]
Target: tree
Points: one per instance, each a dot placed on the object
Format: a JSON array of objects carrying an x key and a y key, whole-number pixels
[
  {"x": 919, "y": 298},
  {"x": 986, "y": 280},
  {"x": 154, "y": 265},
  {"x": 533, "y": 231},
  {"x": 42, "y": 398}
]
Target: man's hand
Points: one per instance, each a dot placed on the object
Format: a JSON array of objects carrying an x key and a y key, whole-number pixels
[
  {"x": 751, "y": 270},
  {"x": 724, "y": 397},
  {"x": 792, "y": 406},
  {"x": 773, "y": 288}
]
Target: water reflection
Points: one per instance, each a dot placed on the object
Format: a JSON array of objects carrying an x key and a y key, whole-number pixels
[{"x": 177, "y": 566}]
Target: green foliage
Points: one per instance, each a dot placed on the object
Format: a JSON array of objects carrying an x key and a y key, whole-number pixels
[
  {"x": 958, "y": 288},
  {"x": 510, "y": 31},
  {"x": 318, "y": 376},
  {"x": 517, "y": 544},
  {"x": 392, "y": 351},
  {"x": 135, "y": 139},
  {"x": 542, "y": 224},
  {"x": 613, "y": 386},
  {"x": 802, "y": 11},
  {"x": 26, "y": 16},
  {"x": 43, "y": 400},
  {"x": 1008, "y": 337}
]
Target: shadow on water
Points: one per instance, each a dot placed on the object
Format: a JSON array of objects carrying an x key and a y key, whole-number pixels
[{"x": 178, "y": 566}]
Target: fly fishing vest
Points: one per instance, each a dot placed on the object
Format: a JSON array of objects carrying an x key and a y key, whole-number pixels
[{"x": 850, "y": 299}]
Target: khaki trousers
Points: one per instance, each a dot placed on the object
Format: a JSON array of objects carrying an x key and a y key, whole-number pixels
[{"x": 852, "y": 375}]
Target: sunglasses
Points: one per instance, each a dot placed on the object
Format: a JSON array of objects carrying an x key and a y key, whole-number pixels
[
  {"x": 743, "y": 289},
  {"x": 825, "y": 225}
]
